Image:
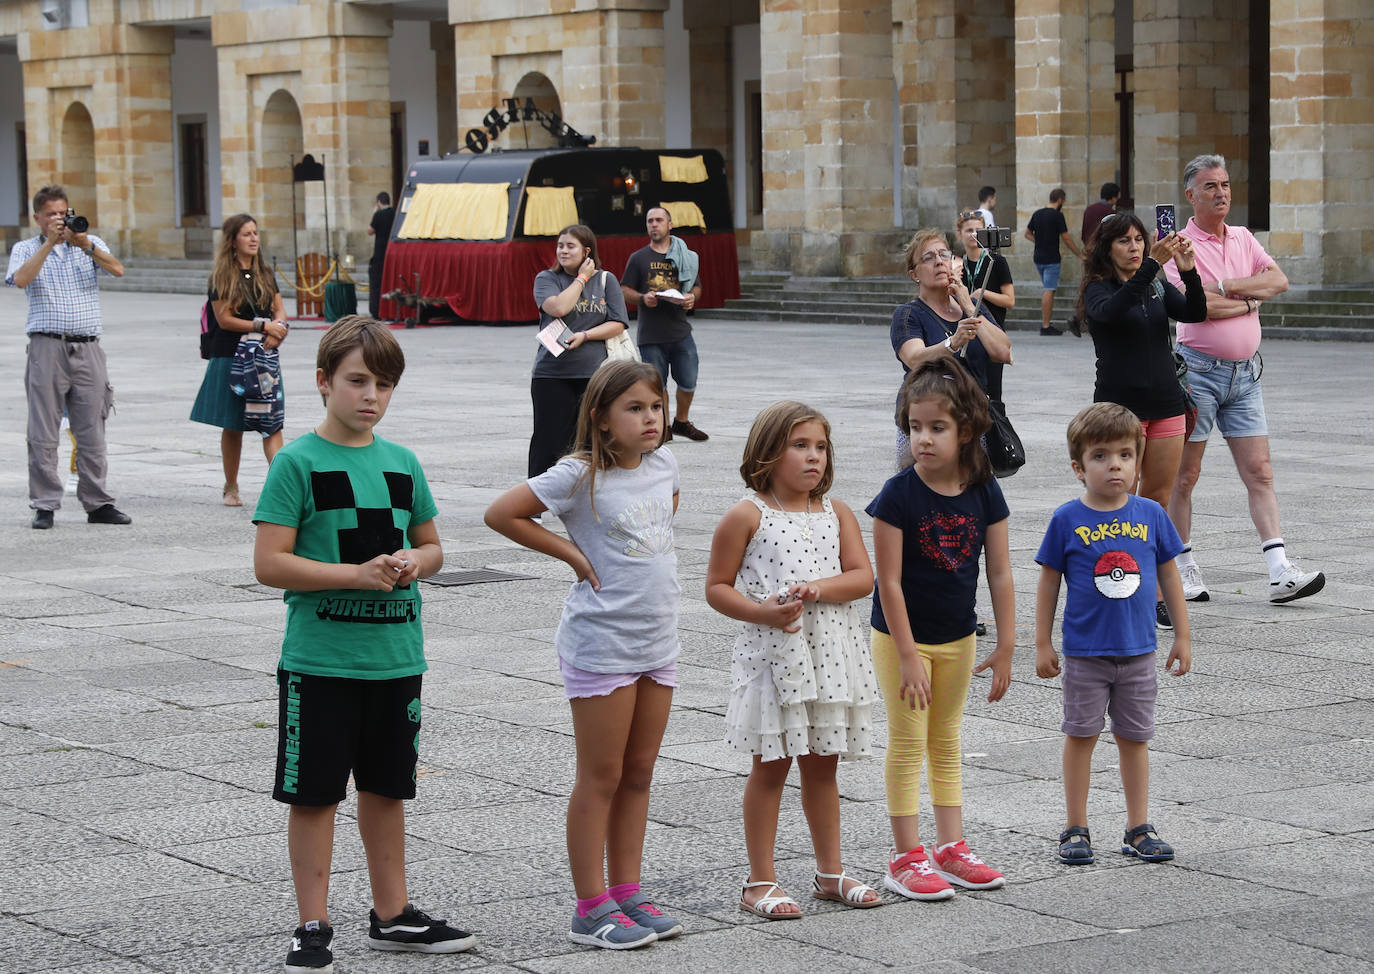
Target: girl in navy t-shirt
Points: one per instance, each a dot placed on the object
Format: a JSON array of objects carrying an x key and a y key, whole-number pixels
[{"x": 931, "y": 522}]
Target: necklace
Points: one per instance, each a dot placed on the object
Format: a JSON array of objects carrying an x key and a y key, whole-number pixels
[{"x": 806, "y": 524}]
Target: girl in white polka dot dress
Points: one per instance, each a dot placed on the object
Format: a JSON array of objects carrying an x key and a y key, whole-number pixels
[{"x": 789, "y": 563}]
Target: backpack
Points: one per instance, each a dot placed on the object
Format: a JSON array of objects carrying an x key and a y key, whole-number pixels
[{"x": 209, "y": 325}]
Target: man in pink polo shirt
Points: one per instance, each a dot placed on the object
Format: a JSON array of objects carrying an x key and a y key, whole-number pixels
[{"x": 1224, "y": 367}]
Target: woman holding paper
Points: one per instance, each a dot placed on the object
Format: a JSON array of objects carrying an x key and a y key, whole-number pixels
[{"x": 588, "y": 302}]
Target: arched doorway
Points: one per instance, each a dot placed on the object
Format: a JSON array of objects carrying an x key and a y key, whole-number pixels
[
  {"x": 78, "y": 161},
  {"x": 281, "y": 141},
  {"x": 539, "y": 89}
]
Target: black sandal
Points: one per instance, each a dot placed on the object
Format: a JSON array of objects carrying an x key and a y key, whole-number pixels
[
  {"x": 1075, "y": 846},
  {"x": 1144, "y": 843}
]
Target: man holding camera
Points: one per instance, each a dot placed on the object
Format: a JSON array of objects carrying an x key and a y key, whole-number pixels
[{"x": 66, "y": 365}]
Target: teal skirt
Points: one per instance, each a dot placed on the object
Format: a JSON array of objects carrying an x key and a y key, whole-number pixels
[{"x": 216, "y": 404}]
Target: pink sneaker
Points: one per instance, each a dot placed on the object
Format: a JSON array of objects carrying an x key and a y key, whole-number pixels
[
  {"x": 910, "y": 875},
  {"x": 963, "y": 868}
]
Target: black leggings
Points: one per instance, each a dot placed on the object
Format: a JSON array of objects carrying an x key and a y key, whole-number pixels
[{"x": 556, "y": 403}]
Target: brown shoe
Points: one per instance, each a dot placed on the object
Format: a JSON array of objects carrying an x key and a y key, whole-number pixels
[{"x": 683, "y": 427}]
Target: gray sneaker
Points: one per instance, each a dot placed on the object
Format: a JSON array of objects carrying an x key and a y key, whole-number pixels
[
  {"x": 606, "y": 926},
  {"x": 642, "y": 911}
]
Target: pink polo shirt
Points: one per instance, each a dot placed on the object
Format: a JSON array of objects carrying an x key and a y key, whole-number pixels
[{"x": 1238, "y": 254}]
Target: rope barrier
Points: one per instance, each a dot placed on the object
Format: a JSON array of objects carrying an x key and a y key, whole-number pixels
[{"x": 316, "y": 290}]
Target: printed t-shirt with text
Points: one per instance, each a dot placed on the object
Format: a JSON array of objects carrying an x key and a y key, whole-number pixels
[
  {"x": 1109, "y": 560},
  {"x": 349, "y": 505}
]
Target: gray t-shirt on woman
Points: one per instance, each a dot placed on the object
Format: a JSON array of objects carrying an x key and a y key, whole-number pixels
[
  {"x": 601, "y": 301},
  {"x": 630, "y": 625}
]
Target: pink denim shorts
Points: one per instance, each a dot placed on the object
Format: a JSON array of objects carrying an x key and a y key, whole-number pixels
[
  {"x": 1158, "y": 429},
  {"x": 584, "y": 683}
]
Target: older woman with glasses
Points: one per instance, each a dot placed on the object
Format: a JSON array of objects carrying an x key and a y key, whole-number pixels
[{"x": 940, "y": 319}]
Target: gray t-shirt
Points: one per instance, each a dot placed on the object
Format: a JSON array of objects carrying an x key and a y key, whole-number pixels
[
  {"x": 630, "y": 625},
  {"x": 601, "y": 301}
]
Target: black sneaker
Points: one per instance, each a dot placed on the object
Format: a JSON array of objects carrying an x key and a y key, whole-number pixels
[
  {"x": 414, "y": 930},
  {"x": 108, "y": 514},
  {"x": 1162, "y": 620},
  {"x": 1051, "y": 330},
  {"x": 309, "y": 953},
  {"x": 42, "y": 520},
  {"x": 685, "y": 427}
]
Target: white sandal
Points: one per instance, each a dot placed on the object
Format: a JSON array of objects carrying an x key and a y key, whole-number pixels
[
  {"x": 853, "y": 897},
  {"x": 765, "y": 906}
]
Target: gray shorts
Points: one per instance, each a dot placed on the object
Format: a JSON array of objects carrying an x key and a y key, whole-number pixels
[{"x": 1124, "y": 686}]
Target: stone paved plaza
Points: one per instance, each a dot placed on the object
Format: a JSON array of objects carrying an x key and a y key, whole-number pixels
[{"x": 138, "y": 709}]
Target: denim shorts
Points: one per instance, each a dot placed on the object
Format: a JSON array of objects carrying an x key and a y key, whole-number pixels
[
  {"x": 1227, "y": 393},
  {"x": 679, "y": 358},
  {"x": 1124, "y": 686},
  {"x": 1049, "y": 275}
]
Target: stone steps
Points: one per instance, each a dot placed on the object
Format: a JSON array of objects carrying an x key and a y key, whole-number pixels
[{"x": 1303, "y": 312}]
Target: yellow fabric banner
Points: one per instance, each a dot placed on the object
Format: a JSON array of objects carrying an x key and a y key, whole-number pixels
[
  {"x": 549, "y": 209},
  {"x": 463, "y": 211},
  {"x": 676, "y": 169},
  {"x": 685, "y": 214}
]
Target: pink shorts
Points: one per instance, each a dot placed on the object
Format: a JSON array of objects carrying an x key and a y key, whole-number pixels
[
  {"x": 584, "y": 683},
  {"x": 1158, "y": 429}
]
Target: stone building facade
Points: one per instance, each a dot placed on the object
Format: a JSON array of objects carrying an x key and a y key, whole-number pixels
[{"x": 845, "y": 123}]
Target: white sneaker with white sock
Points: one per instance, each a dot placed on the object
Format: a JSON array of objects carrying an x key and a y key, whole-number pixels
[
  {"x": 1194, "y": 589},
  {"x": 1294, "y": 583}
]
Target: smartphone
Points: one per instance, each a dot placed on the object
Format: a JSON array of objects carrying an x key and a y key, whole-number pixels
[
  {"x": 565, "y": 337},
  {"x": 1164, "y": 220}
]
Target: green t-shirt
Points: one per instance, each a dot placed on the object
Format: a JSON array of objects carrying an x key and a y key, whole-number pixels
[{"x": 349, "y": 505}]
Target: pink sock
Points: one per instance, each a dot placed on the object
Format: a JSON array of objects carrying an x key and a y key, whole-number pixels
[
  {"x": 586, "y": 906},
  {"x": 623, "y": 892}
]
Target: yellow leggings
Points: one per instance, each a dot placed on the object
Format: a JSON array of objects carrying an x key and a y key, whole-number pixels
[{"x": 920, "y": 736}]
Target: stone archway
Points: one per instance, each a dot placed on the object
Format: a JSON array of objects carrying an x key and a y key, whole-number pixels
[
  {"x": 538, "y": 88},
  {"x": 78, "y": 161},
  {"x": 281, "y": 140}
]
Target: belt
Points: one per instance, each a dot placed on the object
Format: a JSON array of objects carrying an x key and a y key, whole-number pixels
[{"x": 66, "y": 338}]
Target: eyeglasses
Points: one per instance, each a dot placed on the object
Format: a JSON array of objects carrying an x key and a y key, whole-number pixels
[{"x": 937, "y": 255}]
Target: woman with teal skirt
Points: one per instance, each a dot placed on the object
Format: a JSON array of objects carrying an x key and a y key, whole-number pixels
[{"x": 245, "y": 301}]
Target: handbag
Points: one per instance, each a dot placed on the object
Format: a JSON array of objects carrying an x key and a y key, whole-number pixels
[
  {"x": 1189, "y": 403},
  {"x": 1004, "y": 447},
  {"x": 620, "y": 347}
]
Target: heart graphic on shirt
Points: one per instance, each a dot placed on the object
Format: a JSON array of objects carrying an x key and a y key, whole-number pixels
[{"x": 948, "y": 540}]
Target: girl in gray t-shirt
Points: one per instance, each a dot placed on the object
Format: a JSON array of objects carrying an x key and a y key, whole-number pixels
[{"x": 617, "y": 639}]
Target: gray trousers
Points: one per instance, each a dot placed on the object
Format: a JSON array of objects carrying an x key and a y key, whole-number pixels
[{"x": 71, "y": 374}]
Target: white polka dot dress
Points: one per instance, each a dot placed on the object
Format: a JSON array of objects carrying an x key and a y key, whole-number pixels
[{"x": 808, "y": 691}]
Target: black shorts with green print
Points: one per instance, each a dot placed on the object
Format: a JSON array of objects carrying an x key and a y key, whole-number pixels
[{"x": 330, "y": 726}]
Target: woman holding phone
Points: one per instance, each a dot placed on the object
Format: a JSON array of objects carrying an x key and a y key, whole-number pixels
[
  {"x": 1127, "y": 303},
  {"x": 588, "y": 301}
]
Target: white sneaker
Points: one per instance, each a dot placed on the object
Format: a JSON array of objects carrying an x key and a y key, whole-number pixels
[
  {"x": 1193, "y": 588},
  {"x": 1294, "y": 583}
]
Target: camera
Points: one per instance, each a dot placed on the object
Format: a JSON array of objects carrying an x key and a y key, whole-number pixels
[
  {"x": 993, "y": 238},
  {"x": 77, "y": 224}
]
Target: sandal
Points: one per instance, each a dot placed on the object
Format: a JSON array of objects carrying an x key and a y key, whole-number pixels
[
  {"x": 852, "y": 897},
  {"x": 231, "y": 496},
  {"x": 766, "y": 906},
  {"x": 1144, "y": 843},
  {"x": 1076, "y": 846}
]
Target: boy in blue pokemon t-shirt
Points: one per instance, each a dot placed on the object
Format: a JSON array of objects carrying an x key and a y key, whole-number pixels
[{"x": 1112, "y": 547}]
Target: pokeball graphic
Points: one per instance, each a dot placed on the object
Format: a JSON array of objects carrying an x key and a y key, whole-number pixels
[{"x": 1116, "y": 575}]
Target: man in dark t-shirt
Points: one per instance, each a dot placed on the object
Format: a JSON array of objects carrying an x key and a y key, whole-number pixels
[
  {"x": 1099, "y": 211},
  {"x": 380, "y": 230},
  {"x": 665, "y": 335},
  {"x": 1046, "y": 229}
]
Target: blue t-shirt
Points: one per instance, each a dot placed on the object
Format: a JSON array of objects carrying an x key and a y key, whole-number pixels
[
  {"x": 1109, "y": 561},
  {"x": 942, "y": 539}
]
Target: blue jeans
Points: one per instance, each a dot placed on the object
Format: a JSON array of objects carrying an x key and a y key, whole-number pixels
[
  {"x": 1227, "y": 393},
  {"x": 679, "y": 358}
]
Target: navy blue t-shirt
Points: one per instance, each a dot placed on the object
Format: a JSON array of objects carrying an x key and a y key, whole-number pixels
[
  {"x": 942, "y": 540},
  {"x": 1109, "y": 561}
]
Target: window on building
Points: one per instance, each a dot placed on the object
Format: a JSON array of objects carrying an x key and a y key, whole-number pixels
[{"x": 195, "y": 174}]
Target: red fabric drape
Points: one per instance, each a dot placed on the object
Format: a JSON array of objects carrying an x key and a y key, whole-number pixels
[{"x": 495, "y": 281}]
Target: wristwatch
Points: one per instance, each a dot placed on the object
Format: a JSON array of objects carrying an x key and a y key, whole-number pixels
[{"x": 947, "y": 344}]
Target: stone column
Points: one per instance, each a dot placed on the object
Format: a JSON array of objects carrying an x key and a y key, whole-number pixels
[
  {"x": 1051, "y": 117},
  {"x": 445, "y": 88},
  {"x": 122, "y": 75},
  {"x": 784, "y": 157},
  {"x": 1322, "y": 131},
  {"x": 929, "y": 49},
  {"x": 331, "y": 60}
]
